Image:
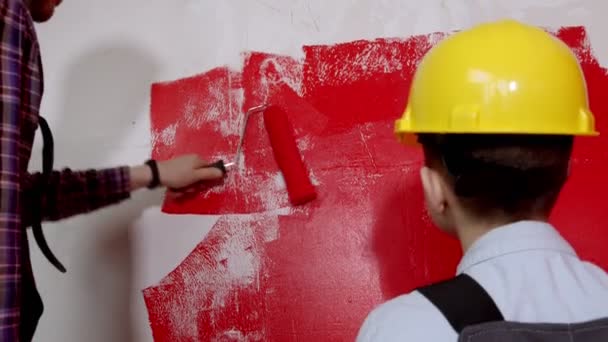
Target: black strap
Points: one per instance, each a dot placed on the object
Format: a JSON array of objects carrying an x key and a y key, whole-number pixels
[
  {"x": 462, "y": 301},
  {"x": 47, "y": 169},
  {"x": 155, "y": 174}
]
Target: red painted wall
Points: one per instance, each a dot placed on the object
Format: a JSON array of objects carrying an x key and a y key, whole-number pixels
[{"x": 314, "y": 272}]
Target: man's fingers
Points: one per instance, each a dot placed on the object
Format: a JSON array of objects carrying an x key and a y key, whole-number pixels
[
  {"x": 200, "y": 162},
  {"x": 208, "y": 173}
]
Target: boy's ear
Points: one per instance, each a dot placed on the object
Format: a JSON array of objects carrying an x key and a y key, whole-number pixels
[{"x": 433, "y": 189}]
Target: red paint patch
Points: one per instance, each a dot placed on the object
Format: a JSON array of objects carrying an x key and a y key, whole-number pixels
[
  {"x": 367, "y": 238},
  {"x": 581, "y": 213},
  {"x": 203, "y": 115},
  {"x": 224, "y": 272}
]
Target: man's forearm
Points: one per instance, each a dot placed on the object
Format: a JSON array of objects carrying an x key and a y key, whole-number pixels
[{"x": 71, "y": 193}]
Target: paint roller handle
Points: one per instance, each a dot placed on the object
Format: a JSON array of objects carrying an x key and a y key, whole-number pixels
[{"x": 220, "y": 165}]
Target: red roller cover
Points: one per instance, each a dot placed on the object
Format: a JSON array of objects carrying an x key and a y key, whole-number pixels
[{"x": 287, "y": 156}]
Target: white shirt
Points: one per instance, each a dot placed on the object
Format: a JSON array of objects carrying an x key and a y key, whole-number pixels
[{"x": 529, "y": 270}]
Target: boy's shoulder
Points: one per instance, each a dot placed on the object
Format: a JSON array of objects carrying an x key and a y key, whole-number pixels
[{"x": 409, "y": 317}]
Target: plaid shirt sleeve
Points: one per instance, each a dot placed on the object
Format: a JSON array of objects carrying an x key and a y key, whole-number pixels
[
  {"x": 11, "y": 234},
  {"x": 76, "y": 192}
]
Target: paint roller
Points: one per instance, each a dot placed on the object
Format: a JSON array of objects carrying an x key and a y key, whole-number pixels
[
  {"x": 287, "y": 156},
  {"x": 286, "y": 153}
]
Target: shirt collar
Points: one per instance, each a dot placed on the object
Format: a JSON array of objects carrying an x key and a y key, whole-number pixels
[{"x": 516, "y": 237}]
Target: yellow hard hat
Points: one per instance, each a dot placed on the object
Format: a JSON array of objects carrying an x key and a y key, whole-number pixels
[{"x": 503, "y": 77}]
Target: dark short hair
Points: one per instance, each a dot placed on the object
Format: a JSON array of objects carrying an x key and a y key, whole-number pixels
[{"x": 513, "y": 176}]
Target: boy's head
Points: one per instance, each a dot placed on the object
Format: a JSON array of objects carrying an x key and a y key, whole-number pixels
[
  {"x": 495, "y": 179},
  {"x": 495, "y": 109}
]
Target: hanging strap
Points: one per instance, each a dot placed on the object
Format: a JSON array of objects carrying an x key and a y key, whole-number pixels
[
  {"x": 47, "y": 169},
  {"x": 463, "y": 302}
]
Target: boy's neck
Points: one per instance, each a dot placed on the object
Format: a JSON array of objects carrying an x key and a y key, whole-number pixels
[{"x": 472, "y": 231}]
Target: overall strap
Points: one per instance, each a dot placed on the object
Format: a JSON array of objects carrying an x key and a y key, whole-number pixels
[
  {"x": 47, "y": 169},
  {"x": 462, "y": 301}
]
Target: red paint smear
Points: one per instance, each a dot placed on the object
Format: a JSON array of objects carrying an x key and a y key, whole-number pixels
[
  {"x": 332, "y": 267},
  {"x": 203, "y": 115},
  {"x": 183, "y": 306},
  {"x": 363, "y": 81},
  {"x": 367, "y": 238},
  {"x": 581, "y": 212}
]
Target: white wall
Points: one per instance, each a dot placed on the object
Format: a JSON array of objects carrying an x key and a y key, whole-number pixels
[{"x": 100, "y": 58}]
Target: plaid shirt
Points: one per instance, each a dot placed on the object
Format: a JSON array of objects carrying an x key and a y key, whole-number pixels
[{"x": 69, "y": 192}]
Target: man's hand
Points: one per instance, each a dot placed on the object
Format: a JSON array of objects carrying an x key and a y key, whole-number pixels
[
  {"x": 182, "y": 172},
  {"x": 177, "y": 173}
]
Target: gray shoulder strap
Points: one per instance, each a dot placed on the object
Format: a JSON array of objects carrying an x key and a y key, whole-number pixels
[{"x": 591, "y": 331}]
